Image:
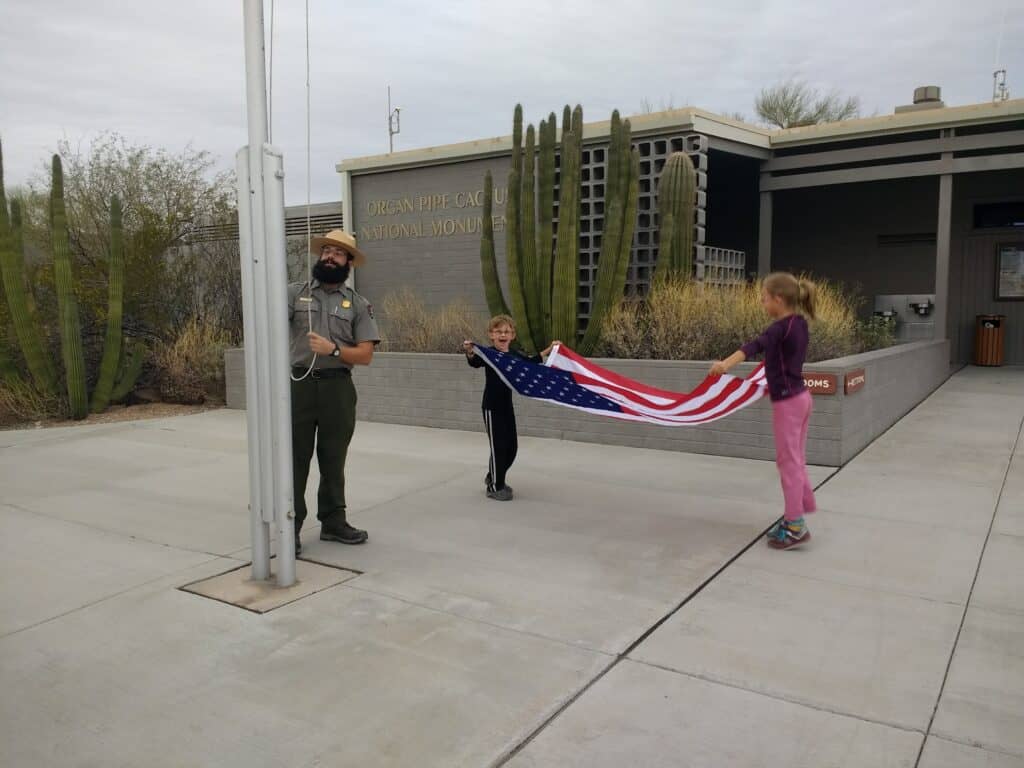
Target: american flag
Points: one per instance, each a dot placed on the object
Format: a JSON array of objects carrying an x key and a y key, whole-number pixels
[{"x": 575, "y": 382}]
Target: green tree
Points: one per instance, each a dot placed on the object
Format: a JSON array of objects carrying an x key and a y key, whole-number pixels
[
  {"x": 166, "y": 197},
  {"x": 793, "y": 102}
]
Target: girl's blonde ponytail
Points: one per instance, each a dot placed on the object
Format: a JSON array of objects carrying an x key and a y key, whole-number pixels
[
  {"x": 808, "y": 294},
  {"x": 798, "y": 293}
]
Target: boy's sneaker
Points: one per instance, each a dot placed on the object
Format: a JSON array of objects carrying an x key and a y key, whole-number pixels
[
  {"x": 488, "y": 483},
  {"x": 503, "y": 494},
  {"x": 786, "y": 534}
]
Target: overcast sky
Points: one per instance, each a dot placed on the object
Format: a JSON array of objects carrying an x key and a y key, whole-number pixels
[{"x": 172, "y": 73}]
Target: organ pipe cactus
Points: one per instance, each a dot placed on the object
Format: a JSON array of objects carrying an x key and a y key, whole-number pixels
[
  {"x": 19, "y": 252},
  {"x": 488, "y": 263},
  {"x": 542, "y": 266},
  {"x": 545, "y": 214},
  {"x": 513, "y": 237},
  {"x": 677, "y": 200},
  {"x": 632, "y": 193},
  {"x": 112, "y": 346},
  {"x": 132, "y": 359},
  {"x": 566, "y": 262},
  {"x": 122, "y": 360},
  {"x": 528, "y": 242},
  {"x": 8, "y": 371},
  {"x": 67, "y": 303},
  {"x": 619, "y": 223},
  {"x": 19, "y": 297}
]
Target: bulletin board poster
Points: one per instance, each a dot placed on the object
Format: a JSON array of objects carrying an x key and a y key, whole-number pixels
[{"x": 1010, "y": 272}]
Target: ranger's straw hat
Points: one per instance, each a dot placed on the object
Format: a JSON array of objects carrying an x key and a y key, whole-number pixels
[{"x": 341, "y": 239}]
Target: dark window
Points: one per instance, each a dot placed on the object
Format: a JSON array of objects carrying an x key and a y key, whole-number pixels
[{"x": 999, "y": 215}]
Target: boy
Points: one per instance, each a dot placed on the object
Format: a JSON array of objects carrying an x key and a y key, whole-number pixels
[{"x": 499, "y": 416}]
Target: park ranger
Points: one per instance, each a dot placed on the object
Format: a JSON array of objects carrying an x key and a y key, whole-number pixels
[{"x": 332, "y": 329}]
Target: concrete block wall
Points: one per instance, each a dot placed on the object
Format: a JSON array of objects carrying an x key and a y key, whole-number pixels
[
  {"x": 439, "y": 390},
  {"x": 234, "y": 378},
  {"x": 898, "y": 379}
]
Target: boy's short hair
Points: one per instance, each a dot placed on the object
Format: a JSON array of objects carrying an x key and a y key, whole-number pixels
[{"x": 499, "y": 320}]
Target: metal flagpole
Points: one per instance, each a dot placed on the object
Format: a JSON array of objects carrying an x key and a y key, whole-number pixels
[
  {"x": 264, "y": 276},
  {"x": 259, "y": 530},
  {"x": 280, "y": 372}
]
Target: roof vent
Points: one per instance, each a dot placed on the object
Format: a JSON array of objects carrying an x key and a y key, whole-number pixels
[{"x": 925, "y": 97}]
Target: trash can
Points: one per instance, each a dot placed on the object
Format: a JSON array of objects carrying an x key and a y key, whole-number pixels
[{"x": 989, "y": 333}]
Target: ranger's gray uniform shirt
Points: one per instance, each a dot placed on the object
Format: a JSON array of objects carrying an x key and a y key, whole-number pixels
[{"x": 339, "y": 314}]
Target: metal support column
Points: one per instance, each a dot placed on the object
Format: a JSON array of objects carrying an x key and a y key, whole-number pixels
[
  {"x": 943, "y": 234},
  {"x": 764, "y": 235},
  {"x": 264, "y": 283},
  {"x": 260, "y": 531},
  {"x": 347, "y": 220},
  {"x": 279, "y": 343}
]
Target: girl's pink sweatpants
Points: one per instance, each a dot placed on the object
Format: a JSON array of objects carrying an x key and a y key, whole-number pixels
[{"x": 790, "y": 418}]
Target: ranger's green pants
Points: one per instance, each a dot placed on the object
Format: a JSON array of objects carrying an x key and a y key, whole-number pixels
[{"x": 324, "y": 413}]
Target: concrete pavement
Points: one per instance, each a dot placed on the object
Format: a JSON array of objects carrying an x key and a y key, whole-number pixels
[{"x": 613, "y": 614}]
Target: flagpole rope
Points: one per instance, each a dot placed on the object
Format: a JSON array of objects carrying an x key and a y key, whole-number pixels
[{"x": 309, "y": 195}]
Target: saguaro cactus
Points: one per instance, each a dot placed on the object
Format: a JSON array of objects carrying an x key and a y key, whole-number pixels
[
  {"x": 67, "y": 303},
  {"x": 112, "y": 346},
  {"x": 677, "y": 200},
  {"x": 19, "y": 297}
]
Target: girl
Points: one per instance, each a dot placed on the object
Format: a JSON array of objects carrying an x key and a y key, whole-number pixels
[{"x": 784, "y": 344}]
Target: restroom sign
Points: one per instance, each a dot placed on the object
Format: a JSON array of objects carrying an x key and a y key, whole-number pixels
[
  {"x": 821, "y": 383},
  {"x": 855, "y": 381}
]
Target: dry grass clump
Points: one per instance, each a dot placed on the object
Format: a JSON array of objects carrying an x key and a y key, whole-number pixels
[
  {"x": 407, "y": 325},
  {"x": 685, "y": 320},
  {"x": 190, "y": 369},
  {"x": 20, "y": 403}
]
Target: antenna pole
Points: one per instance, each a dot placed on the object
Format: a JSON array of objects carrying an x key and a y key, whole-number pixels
[{"x": 394, "y": 125}]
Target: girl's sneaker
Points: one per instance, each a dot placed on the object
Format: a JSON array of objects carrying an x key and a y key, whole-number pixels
[{"x": 786, "y": 534}]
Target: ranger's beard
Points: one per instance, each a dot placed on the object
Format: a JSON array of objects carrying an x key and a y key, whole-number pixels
[{"x": 330, "y": 273}]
